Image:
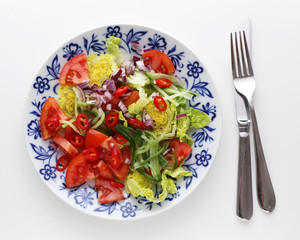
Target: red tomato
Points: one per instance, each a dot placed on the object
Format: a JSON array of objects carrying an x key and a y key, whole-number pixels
[
  {"x": 65, "y": 145},
  {"x": 121, "y": 90},
  {"x": 159, "y": 61},
  {"x": 181, "y": 151},
  {"x": 50, "y": 109},
  {"x": 133, "y": 97},
  {"x": 104, "y": 171},
  {"x": 52, "y": 123},
  {"x": 75, "y": 71},
  {"x": 68, "y": 132},
  {"x": 163, "y": 82},
  {"x": 136, "y": 123},
  {"x": 79, "y": 171},
  {"x": 94, "y": 138},
  {"x": 106, "y": 192}
]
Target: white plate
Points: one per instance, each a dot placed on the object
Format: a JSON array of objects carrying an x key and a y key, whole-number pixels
[{"x": 188, "y": 67}]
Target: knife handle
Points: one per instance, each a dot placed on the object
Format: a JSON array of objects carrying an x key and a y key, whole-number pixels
[
  {"x": 244, "y": 208},
  {"x": 265, "y": 192}
]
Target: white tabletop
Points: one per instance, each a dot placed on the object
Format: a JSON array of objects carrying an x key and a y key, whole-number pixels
[{"x": 32, "y": 30}]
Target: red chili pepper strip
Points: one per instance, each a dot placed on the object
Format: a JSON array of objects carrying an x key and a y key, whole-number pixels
[
  {"x": 115, "y": 158},
  {"x": 77, "y": 140},
  {"x": 120, "y": 138},
  {"x": 163, "y": 82},
  {"x": 91, "y": 154},
  {"x": 121, "y": 90},
  {"x": 160, "y": 103},
  {"x": 62, "y": 163},
  {"x": 52, "y": 123},
  {"x": 112, "y": 119},
  {"x": 116, "y": 184},
  {"x": 136, "y": 123},
  {"x": 82, "y": 121}
]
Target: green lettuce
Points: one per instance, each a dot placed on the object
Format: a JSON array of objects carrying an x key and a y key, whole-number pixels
[
  {"x": 112, "y": 45},
  {"x": 198, "y": 118}
]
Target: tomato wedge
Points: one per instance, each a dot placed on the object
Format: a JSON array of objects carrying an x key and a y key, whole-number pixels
[
  {"x": 159, "y": 61},
  {"x": 133, "y": 97},
  {"x": 65, "y": 145},
  {"x": 104, "y": 171},
  {"x": 79, "y": 171},
  {"x": 50, "y": 109},
  {"x": 163, "y": 82},
  {"x": 94, "y": 138},
  {"x": 106, "y": 192},
  {"x": 75, "y": 71},
  {"x": 180, "y": 151}
]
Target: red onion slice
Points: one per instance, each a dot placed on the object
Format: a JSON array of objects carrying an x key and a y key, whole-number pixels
[{"x": 181, "y": 115}]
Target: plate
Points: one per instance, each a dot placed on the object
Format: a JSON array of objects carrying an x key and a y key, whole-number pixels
[{"x": 189, "y": 68}]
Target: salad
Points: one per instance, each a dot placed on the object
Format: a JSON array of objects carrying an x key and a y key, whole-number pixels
[{"x": 122, "y": 123}]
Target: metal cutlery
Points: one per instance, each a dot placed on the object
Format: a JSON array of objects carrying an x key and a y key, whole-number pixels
[{"x": 244, "y": 82}]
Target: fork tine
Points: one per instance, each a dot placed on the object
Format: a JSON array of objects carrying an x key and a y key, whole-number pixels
[
  {"x": 237, "y": 56},
  {"x": 232, "y": 57},
  {"x": 242, "y": 56},
  {"x": 248, "y": 55}
]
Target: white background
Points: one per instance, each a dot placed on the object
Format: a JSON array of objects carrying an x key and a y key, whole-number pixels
[{"x": 32, "y": 30}]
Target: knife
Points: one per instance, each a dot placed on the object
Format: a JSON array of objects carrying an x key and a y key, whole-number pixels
[{"x": 244, "y": 208}]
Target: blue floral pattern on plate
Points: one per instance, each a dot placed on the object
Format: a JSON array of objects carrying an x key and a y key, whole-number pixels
[{"x": 188, "y": 67}]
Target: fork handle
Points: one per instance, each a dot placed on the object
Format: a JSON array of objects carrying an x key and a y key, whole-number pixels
[
  {"x": 265, "y": 192},
  {"x": 244, "y": 208}
]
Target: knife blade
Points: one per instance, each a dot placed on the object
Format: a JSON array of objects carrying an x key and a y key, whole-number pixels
[{"x": 244, "y": 208}]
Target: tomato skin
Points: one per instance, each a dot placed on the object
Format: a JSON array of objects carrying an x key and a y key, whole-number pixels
[
  {"x": 133, "y": 97},
  {"x": 159, "y": 61},
  {"x": 79, "y": 171},
  {"x": 50, "y": 109},
  {"x": 106, "y": 192},
  {"x": 116, "y": 184},
  {"x": 65, "y": 145},
  {"x": 115, "y": 158},
  {"x": 181, "y": 151},
  {"x": 104, "y": 171},
  {"x": 75, "y": 71},
  {"x": 94, "y": 138}
]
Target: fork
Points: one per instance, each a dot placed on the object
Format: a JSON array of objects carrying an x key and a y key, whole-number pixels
[{"x": 244, "y": 83}]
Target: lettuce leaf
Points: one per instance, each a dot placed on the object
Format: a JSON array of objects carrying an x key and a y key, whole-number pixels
[
  {"x": 112, "y": 45},
  {"x": 198, "y": 118}
]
